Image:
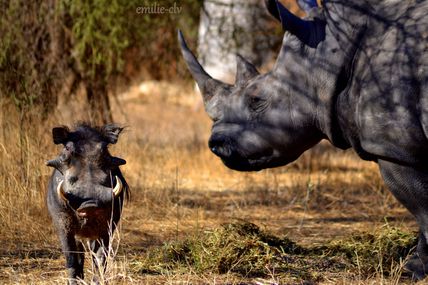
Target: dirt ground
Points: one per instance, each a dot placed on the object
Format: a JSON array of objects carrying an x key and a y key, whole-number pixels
[{"x": 180, "y": 189}]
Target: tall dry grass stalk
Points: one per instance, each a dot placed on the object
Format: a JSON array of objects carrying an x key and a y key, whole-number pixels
[
  {"x": 115, "y": 268},
  {"x": 24, "y": 147}
]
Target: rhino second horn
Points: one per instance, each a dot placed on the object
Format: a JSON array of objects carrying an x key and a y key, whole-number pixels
[
  {"x": 60, "y": 191},
  {"x": 245, "y": 70},
  {"x": 118, "y": 187}
]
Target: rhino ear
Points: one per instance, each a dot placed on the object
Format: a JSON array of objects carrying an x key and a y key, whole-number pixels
[
  {"x": 61, "y": 135},
  {"x": 307, "y": 5},
  {"x": 272, "y": 9},
  {"x": 244, "y": 70},
  {"x": 309, "y": 32},
  {"x": 111, "y": 133}
]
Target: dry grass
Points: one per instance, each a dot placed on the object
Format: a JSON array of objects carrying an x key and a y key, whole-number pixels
[{"x": 180, "y": 190}]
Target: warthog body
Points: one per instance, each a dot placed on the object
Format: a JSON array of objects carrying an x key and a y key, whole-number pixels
[
  {"x": 355, "y": 73},
  {"x": 86, "y": 192}
]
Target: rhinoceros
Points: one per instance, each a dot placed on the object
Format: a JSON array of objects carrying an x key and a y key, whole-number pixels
[
  {"x": 86, "y": 193},
  {"x": 353, "y": 72}
]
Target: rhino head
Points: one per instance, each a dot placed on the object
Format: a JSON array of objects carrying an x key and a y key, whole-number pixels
[
  {"x": 90, "y": 178},
  {"x": 269, "y": 120},
  {"x": 256, "y": 125}
]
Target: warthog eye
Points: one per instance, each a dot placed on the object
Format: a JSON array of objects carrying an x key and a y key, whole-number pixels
[
  {"x": 73, "y": 180},
  {"x": 65, "y": 157}
]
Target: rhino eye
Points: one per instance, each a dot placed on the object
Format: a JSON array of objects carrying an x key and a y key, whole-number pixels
[{"x": 257, "y": 103}]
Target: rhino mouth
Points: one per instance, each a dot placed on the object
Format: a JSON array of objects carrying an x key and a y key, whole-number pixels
[
  {"x": 244, "y": 165},
  {"x": 240, "y": 157},
  {"x": 241, "y": 163}
]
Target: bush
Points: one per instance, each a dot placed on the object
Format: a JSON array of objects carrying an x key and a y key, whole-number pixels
[{"x": 50, "y": 48}]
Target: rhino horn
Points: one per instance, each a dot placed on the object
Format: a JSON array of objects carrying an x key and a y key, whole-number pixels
[
  {"x": 245, "y": 70},
  {"x": 209, "y": 87},
  {"x": 310, "y": 32}
]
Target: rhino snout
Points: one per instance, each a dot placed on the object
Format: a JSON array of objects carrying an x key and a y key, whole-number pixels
[{"x": 220, "y": 147}]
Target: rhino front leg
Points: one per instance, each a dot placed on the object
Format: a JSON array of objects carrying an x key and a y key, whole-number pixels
[
  {"x": 410, "y": 186},
  {"x": 74, "y": 257}
]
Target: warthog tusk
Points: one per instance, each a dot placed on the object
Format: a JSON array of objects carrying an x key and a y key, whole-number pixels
[
  {"x": 60, "y": 191},
  {"x": 118, "y": 188}
]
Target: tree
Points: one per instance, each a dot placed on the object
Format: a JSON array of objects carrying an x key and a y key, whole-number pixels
[
  {"x": 52, "y": 50},
  {"x": 228, "y": 27}
]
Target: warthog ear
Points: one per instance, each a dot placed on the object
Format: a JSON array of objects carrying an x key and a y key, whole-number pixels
[
  {"x": 244, "y": 70},
  {"x": 60, "y": 135},
  {"x": 54, "y": 163},
  {"x": 309, "y": 32},
  {"x": 116, "y": 161},
  {"x": 111, "y": 133}
]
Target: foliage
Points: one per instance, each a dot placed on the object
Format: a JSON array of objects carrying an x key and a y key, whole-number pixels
[
  {"x": 99, "y": 32},
  {"x": 45, "y": 43},
  {"x": 102, "y": 30},
  {"x": 240, "y": 248},
  {"x": 374, "y": 252},
  {"x": 244, "y": 249},
  {"x": 25, "y": 74}
]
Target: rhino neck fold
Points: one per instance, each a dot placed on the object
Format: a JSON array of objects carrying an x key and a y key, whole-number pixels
[
  {"x": 345, "y": 21},
  {"x": 323, "y": 74}
]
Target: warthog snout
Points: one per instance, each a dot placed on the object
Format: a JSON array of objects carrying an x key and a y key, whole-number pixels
[{"x": 115, "y": 191}]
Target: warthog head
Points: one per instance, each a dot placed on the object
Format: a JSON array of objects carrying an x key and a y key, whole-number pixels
[{"x": 90, "y": 177}]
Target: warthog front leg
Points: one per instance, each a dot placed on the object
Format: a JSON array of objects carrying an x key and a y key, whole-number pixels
[{"x": 74, "y": 257}]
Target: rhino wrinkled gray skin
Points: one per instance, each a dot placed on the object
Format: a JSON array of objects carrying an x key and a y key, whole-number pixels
[
  {"x": 353, "y": 72},
  {"x": 86, "y": 193}
]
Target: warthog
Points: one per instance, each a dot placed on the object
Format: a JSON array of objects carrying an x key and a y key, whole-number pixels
[
  {"x": 86, "y": 193},
  {"x": 354, "y": 72}
]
